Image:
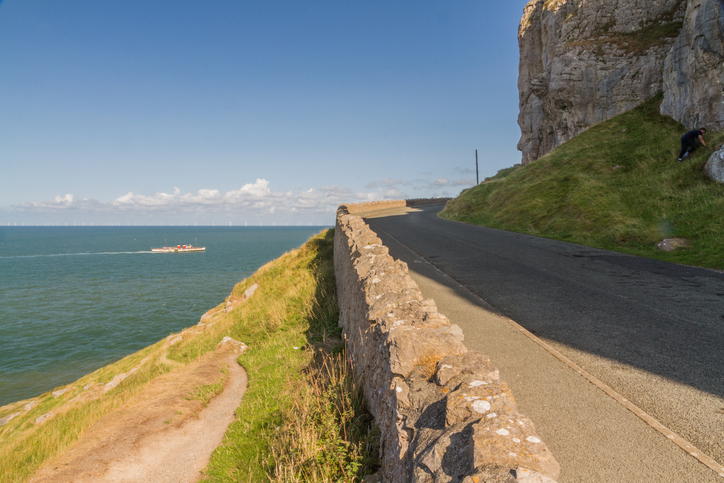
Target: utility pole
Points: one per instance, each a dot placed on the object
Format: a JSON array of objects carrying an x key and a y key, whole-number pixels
[{"x": 477, "y": 177}]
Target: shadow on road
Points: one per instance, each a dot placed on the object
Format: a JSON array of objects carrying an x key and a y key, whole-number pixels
[{"x": 662, "y": 318}]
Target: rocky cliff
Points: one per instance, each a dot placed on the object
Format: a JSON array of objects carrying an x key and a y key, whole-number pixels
[
  {"x": 585, "y": 61},
  {"x": 694, "y": 68}
]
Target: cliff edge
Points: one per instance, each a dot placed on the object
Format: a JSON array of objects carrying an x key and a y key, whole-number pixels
[{"x": 585, "y": 61}]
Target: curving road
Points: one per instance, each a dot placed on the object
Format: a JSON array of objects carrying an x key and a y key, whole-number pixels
[{"x": 651, "y": 330}]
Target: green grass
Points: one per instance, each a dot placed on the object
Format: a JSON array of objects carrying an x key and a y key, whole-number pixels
[
  {"x": 639, "y": 41},
  {"x": 503, "y": 173},
  {"x": 616, "y": 186},
  {"x": 302, "y": 417},
  {"x": 207, "y": 392},
  {"x": 657, "y": 32}
]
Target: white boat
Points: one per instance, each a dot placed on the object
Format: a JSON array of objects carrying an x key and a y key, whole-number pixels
[{"x": 179, "y": 249}]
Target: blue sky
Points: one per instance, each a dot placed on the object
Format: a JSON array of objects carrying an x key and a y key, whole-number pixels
[{"x": 174, "y": 112}]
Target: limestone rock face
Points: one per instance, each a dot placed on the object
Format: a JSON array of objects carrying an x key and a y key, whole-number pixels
[
  {"x": 694, "y": 68},
  {"x": 585, "y": 61}
]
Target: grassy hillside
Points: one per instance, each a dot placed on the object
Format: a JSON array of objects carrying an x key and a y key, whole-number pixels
[
  {"x": 616, "y": 186},
  {"x": 302, "y": 417}
]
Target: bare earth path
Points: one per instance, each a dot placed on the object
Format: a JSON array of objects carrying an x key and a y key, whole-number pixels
[{"x": 164, "y": 434}]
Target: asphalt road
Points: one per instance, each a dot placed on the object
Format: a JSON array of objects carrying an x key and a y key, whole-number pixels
[{"x": 651, "y": 330}]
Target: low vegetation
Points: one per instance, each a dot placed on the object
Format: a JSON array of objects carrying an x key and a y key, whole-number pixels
[
  {"x": 26, "y": 443},
  {"x": 207, "y": 392},
  {"x": 301, "y": 419},
  {"x": 657, "y": 32},
  {"x": 616, "y": 186},
  {"x": 637, "y": 42}
]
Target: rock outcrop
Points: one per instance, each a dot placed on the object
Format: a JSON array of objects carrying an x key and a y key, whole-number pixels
[
  {"x": 585, "y": 61},
  {"x": 694, "y": 68}
]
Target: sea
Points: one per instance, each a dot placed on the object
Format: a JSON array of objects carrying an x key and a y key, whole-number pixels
[{"x": 73, "y": 299}]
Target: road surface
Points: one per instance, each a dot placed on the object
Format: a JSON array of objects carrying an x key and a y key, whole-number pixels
[{"x": 651, "y": 330}]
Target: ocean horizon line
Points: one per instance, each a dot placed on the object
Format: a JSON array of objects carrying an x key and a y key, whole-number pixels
[{"x": 75, "y": 225}]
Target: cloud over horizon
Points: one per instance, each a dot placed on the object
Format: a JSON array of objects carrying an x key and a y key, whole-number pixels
[{"x": 252, "y": 202}]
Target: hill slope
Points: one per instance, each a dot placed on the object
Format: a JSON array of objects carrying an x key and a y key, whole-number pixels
[
  {"x": 616, "y": 186},
  {"x": 301, "y": 419}
]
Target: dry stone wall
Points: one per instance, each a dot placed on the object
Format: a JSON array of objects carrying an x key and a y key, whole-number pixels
[
  {"x": 375, "y": 206},
  {"x": 444, "y": 415},
  {"x": 355, "y": 208}
]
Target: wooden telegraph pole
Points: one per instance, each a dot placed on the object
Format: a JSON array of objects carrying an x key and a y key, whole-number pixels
[{"x": 477, "y": 177}]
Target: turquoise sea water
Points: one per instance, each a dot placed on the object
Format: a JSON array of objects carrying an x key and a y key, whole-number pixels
[{"x": 73, "y": 299}]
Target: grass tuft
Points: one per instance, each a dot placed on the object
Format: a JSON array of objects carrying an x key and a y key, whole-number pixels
[
  {"x": 207, "y": 392},
  {"x": 326, "y": 434},
  {"x": 302, "y": 417}
]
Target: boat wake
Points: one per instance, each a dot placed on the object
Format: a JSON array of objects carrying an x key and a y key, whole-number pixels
[{"x": 82, "y": 254}]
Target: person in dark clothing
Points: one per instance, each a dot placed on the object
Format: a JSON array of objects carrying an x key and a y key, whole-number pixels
[{"x": 688, "y": 142}]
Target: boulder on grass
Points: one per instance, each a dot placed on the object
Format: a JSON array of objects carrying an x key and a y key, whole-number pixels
[
  {"x": 671, "y": 244},
  {"x": 714, "y": 168}
]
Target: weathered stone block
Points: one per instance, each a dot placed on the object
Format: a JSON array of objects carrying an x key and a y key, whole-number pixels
[
  {"x": 231, "y": 345},
  {"x": 410, "y": 346},
  {"x": 473, "y": 363},
  {"x": 443, "y": 456},
  {"x": 394, "y": 305},
  {"x": 509, "y": 439},
  {"x": 492, "y": 474},
  {"x": 478, "y": 398}
]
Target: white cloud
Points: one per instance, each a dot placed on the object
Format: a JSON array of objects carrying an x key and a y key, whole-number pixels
[
  {"x": 394, "y": 194},
  {"x": 258, "y": 189},
  {"x": 253, "y": 200},
  {"x": 67, "y": 199},
  {"x": 422, "y": 187}
]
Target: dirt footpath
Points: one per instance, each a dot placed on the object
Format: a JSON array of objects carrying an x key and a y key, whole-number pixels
[{"x": 165, "y": 434}]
